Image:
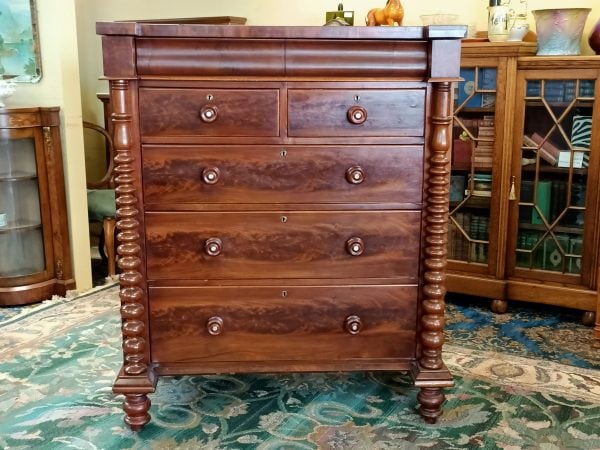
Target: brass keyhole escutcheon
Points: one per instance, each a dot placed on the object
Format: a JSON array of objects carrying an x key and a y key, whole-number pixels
[
  {"x": 284, "y": 219},
  {"x": 210, "y": 97},
  {"x": 284, "y": 294},
  {"x": 283, "y": 153},
  {"x": 356, "y": 98}
]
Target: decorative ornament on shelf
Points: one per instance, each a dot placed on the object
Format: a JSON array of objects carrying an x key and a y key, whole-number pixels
[
  {"x": 339, "y": 17},
  {"x": 559, "y": 30},
  {"x": 594, "y": 39},
  {"x": 391, "y": 14},
  {"x": 498, "y": 18},
  {"x": 7, "y": 88}
]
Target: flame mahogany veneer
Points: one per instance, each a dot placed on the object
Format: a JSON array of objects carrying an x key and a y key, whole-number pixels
[{"x": 282, "y": 200}]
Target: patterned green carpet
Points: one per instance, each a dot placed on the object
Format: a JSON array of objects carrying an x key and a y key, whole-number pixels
[{"x": 59, "y": 359}]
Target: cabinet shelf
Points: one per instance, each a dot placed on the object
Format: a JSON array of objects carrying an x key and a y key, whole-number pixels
[
  {"x": 473, "y": 202},
  {"x": 557, "y": 229},
  {"x": 20, "y": 226},
  {"x": 475, "y": 110},
  {"x": 587, "y": 103},
  {"x": 553, "y": 169},
  {"x": 18, "y": 176}
]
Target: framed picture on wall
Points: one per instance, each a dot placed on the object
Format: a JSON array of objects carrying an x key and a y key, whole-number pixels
[{"x": 19, "y": 43}]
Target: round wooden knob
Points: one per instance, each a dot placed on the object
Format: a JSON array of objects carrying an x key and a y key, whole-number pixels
[
  {"x": 210, "y": 175},
  {"x": 355, "y": 246},
  {"x": 355, "y": 175},
  {"x": 213, "y": 246},
  {"x": 353, "y": 324},
  {"x": 214, "y": 325},
  {"x": 208, "y": 114},
  {"x": 357, "y": 115}
]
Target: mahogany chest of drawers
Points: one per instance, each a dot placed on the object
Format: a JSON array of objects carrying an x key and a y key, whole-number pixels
[{"x": 282, "y": 200}]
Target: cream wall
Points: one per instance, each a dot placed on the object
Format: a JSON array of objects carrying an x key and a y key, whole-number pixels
[{"x": 59, "y": 86}]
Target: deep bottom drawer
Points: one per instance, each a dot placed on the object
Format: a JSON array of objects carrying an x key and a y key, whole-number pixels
[{"x": 191, "y": 325}]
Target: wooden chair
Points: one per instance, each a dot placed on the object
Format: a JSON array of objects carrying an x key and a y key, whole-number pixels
[{"x": 101, "y": 203}]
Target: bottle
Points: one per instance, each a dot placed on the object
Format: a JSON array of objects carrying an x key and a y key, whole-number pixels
[{"x": 498, "y": 17}]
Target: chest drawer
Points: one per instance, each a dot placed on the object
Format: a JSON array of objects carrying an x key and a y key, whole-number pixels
[
  {"x": 244, "y": 245},
  {"x": 272, "y": 174},
  {"x": 355, "y": 113},
  {"x": 259, "y": 324},
  {"x": 209, "y": 112}
]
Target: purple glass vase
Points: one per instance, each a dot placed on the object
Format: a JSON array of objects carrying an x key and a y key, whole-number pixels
[{"x": 594, "y": 39}]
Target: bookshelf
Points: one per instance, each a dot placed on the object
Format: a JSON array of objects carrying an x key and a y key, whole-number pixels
[{"x": 524, "y": 207}]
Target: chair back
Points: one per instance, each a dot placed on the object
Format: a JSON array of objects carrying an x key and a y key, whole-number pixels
[{"x": 107, "y": 180}]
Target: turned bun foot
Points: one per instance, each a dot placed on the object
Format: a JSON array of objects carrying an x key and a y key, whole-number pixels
[
  {"x": 136, "y": 408},
  {"x": 588, "y": 318},
  {"x": 431, "y": 400},
  {"x": 499, "y": 306}
]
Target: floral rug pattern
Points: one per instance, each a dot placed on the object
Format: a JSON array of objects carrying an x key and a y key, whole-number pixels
[
  {"x": 541, "y": 331},
  {"x": 59, "y": 360}
]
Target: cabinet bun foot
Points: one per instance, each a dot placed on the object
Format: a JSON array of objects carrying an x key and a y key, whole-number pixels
[
  {"x": 431, "y": 400},
  {"x": 136, "y": 408},
  {"x": 588, "y": 318},
  {"x": 499, "y": 306}
]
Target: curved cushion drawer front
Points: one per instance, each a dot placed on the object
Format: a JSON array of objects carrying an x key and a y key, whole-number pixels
[
  {"x": 246, "y": 323},
  {"x": 209, "y": 112},
  {"x": 282, "y": 174},
  {"x": 355, "y": 112},
  {"x": 299, "y": 244}
]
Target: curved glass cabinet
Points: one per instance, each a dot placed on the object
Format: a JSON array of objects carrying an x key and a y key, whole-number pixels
[{"x": 35, "y": 260}]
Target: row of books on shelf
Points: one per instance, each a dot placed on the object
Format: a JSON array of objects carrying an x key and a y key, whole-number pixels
[
  {"x": 478, "y": 151},
  {"x": 477, "y": 228},
  {"x": 556, "y": 91},
  {"x": 551, "y": 201},
  {"x": 561, "y": 253},
  {"x": 476, "y": 80},
  {"x": 461, "y": 186}
]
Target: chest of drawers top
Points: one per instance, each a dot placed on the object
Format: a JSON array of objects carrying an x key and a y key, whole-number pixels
[{"x": 169, "y": 50}]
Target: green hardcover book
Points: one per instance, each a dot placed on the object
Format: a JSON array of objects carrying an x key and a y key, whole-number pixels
[
  {"x": 575, "y": 248},
  {"x": 526, "y": 240},
  {"x": 544, "y": 190},
  {"x": 554, "y": 256}
]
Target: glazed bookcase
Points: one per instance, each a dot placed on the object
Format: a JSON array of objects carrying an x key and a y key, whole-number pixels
[{"x": 525, "y": 165}]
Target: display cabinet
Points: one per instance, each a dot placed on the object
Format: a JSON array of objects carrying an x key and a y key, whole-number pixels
[
  {"x": 35, "y": 260},
  {"x": 523, "y": 198}
]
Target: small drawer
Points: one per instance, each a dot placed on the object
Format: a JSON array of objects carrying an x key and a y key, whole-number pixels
[
  {"x": 249, "y": 323},
  {"x": 355, "y": 113},
  {"x": 298, "y": 244},
  {"x": 209, "y": 112},
  {"x": 276, "y": 174}
]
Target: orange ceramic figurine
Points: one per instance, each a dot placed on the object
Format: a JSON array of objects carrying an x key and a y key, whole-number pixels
[{"x": 391, "y": 14}]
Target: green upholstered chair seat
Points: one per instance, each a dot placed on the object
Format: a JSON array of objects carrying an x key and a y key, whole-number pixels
[{"x": 101, "y": 204}]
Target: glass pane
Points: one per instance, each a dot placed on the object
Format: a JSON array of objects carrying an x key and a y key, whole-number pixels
[
  {"x": 17, "y": 158},
  {"x": 555, "y": 156},
  {"x": 19, "y": 203},
  {"x": 21, "y": 237},
  {"x": 22, "y": 252},
  {"x": 472, "y": 161}
]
